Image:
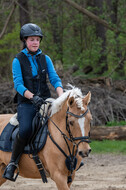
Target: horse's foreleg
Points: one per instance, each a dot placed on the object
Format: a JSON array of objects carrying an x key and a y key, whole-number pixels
[
  {"x": 61, "y": 181},
  {"x": 62, "y": 185},
  {"x": 2, "y": 167}
]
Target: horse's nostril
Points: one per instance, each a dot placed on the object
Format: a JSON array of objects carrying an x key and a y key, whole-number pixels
[
  {"x": 81, "y": 153},
  {"x": 84, "y": 154},
  {"x": 89, "y": 151}
]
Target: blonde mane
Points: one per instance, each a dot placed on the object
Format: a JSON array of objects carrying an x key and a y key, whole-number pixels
[{"x": 74, "y": 92}]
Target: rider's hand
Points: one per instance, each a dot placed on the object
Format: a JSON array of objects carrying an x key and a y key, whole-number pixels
[{"x": 37, "y": 101}]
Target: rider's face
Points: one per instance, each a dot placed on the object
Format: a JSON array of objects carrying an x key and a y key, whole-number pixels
[{"x": 33, "y": 43}]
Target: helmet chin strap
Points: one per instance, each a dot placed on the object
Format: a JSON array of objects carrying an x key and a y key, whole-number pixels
[{"x": 32, "y": 52}]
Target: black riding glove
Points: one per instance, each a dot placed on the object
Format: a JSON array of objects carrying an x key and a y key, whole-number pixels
[{"x": 37, "y": 101}]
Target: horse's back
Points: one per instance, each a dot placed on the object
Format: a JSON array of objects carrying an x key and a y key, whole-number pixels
[{"x": 4, "y": 120}]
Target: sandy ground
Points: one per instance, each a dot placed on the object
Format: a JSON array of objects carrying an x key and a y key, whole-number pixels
[{"x": 101, "y": 172}]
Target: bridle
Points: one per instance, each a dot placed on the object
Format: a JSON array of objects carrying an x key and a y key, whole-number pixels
[
  {"x": 71, "y": 160},
  {"x": 73, "y": 139}
]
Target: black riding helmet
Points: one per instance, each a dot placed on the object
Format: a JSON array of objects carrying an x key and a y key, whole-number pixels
[{"x": 30, "y": 30}]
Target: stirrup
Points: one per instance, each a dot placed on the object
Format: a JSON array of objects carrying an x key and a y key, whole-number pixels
[{"x": 8, "y": 176}]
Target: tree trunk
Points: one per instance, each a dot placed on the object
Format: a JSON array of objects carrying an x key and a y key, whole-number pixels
[
  {"x": 101, "y": 33},
  {"x": 56, "y": 27},
  {"x": 114, "y": 18},
  {"x": 24, "y": 12},
  {"x": 111, "y": 133}
]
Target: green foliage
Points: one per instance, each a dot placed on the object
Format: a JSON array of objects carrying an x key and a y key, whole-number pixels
[
  {"x": 115, "y": 123},
  {"x": 9, "y": 47},
  {"x": 109, "y": 146},
  {"x": 116, "y": 46},
  {"x": 81, "y": 47},
  {"x": 10, "y": 42},
  {"x": 71, "y": 37}
]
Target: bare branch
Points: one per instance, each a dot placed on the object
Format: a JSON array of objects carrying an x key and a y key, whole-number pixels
[
  {"x": 119, "y": 63},
  {"x": 22, "y": 7},
  {"x": 8, "y": 19},
  {"x": 93, "y": 16}
]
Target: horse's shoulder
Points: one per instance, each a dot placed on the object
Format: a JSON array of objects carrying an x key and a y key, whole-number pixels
[{"x": 5, "y": 117}]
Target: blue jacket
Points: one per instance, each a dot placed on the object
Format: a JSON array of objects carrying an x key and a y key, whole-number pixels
[{"x": 17, "y": 73}]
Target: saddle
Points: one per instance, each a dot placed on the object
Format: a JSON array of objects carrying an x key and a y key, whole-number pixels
[
  {"x": 10, "y": 131},
  {"x": 39, "y": 132}
]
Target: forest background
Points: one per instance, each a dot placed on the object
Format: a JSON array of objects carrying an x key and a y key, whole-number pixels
[
  {"x": 88, "y": 36},
  {"x": 70, "y": 37}
]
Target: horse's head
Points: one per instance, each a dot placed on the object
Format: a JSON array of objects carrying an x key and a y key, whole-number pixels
[{"x": 79, "y": 118}]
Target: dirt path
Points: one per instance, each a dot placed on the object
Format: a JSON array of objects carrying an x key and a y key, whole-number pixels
[{"x": 101, "y": 172}]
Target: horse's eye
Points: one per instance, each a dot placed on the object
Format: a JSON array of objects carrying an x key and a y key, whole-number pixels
[{"x": 71, "y": 123}]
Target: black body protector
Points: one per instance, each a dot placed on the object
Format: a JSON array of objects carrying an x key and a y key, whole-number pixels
[{"x": 37, "y": 85}]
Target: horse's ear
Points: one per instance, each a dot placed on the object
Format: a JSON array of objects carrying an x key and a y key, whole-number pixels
[
  {"x": 87, "y": 98},
  {"x": 71, "y": 101}
]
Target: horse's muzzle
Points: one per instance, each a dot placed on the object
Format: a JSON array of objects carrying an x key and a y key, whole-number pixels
[{"x": 84, "y": 154}]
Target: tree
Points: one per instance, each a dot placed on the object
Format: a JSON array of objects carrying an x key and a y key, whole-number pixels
[
  {"x": 101, "y": 34},
  {"x": 23, "y": 12},
  {"x": 56, "y": 26},
  {"x": 8, "y": 19}
]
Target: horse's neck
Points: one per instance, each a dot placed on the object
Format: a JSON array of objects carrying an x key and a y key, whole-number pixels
[{"x": 60, "y": 118}]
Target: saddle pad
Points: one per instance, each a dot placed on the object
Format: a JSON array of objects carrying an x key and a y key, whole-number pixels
[{"x": 9, "y": 133}]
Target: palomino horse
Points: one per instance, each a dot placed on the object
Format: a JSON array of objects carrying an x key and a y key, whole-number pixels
[{"x": 69, "y": 127}]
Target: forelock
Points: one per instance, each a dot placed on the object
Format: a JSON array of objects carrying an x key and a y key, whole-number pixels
[
  {"x": 73, "y": 92},
  {"x": 77, "y": 94}
]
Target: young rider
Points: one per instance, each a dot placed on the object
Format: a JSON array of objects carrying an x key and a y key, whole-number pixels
[{"x": 30, "y": 68}]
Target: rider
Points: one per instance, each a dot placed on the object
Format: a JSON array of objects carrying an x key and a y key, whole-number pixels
[{"x": 29, "y": 69}]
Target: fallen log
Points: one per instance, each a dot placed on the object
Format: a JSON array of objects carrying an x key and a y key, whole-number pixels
[{"x": 110, "y": 133}]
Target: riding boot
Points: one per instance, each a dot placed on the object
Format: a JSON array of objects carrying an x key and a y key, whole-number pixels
[{"x": 17, "y": 151}]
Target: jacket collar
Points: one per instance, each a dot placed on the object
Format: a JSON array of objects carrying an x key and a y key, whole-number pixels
[{"x": 25, "y": 51}]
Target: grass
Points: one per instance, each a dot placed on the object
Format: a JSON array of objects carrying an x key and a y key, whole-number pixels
[
  {"x": 115, "y": 123},
  {"x": 109, "y": 146}
]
